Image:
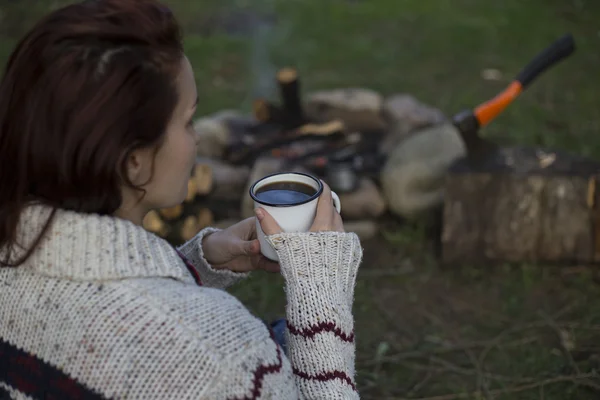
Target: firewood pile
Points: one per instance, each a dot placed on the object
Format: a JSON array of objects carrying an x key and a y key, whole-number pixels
[{"x": 343, "y": 136}]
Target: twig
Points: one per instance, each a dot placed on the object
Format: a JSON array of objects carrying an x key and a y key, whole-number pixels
[
  {"x": 421, "y": 383},
  {"x": 515, "y": 389},
  {"x": 379, "y": 273},
  {"x": 494, "y": 342},
  {"x": 487, "y": 313},
  {"x": 394, "y": 323},
  {"x": 577, "y": 325},
  {"x": 561, "y": 340},
  {"x": 570, "y": 306},
  {"x": 481, "y": 384},
  {"x": 470, "y": 372},
  {"x": 447, "y": 349},
  {"x": 450, "y": 367}
]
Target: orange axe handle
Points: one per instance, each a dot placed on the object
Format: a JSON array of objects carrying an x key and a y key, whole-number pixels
[{"x": 554, "y": 53}]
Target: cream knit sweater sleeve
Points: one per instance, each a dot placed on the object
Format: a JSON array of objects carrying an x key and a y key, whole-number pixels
[
  {"x": 210, "y": 277},
  {"x": 320, "y": 272}
]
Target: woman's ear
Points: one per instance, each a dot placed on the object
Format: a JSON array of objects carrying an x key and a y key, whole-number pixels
[{"x": 137, "y": 166}]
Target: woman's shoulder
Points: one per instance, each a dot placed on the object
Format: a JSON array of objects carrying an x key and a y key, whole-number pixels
[
  {"x": 206, "y": 314},
  {"x": 139, "y": 330}
]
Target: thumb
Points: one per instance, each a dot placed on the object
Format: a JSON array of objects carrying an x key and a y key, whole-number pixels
[
  {"x": 250, "y": 247},
  {"x": 239, "y": 247},
  {"x": 267, "y": 222}
]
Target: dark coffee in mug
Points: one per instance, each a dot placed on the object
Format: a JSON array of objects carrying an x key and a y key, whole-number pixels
[{"x": 285, "y": 193}]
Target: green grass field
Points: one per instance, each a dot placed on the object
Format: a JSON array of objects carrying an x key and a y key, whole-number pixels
[{"x": 477, "y": 332}]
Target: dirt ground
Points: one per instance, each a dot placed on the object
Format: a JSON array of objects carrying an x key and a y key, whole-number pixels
[
  {"x": 502, "y": 332},
  {"x": 425, "y": 331}
]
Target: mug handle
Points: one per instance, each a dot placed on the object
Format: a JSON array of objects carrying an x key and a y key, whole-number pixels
[{"x": 336, "y": 201}]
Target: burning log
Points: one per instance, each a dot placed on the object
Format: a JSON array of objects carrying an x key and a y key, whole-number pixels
[
  {"x": 290, "y": 114},
  {"x": 267, "y": 112},
  {"x": 246, "y": 153},
  {"x": 359, "y": 109},
  {"x": 325, "y": 129},
  {"x": 289, "y": 87}
]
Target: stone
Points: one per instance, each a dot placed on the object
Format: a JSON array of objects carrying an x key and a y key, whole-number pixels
[
  {"x": 359, "y": 109},
  {"x": 366, "y": 201},
  {"x": 406, "y": 114},
  {"x": 228, "y": 181},
  {"x": 365, "y": 229},
  {"x": 413, "y": 177},
  {"x": 213, "y": 136},
  {"x": 217, "y": 131}
]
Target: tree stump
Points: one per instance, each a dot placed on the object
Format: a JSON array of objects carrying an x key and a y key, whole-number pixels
[{"x": 522, "y": 204}]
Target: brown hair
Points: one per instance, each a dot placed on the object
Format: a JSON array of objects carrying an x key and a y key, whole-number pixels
[{"x": 86, "y": 86}]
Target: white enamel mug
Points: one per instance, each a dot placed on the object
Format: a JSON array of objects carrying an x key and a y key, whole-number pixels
[{"x": 295, "y": 217}]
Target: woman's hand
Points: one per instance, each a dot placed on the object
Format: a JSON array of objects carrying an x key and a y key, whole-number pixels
[
  {"x": 327, "y": 219},
  {"x": 236, "y": 249}
]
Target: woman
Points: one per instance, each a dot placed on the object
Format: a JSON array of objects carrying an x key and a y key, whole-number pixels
[{"x": 96, "y": 108}]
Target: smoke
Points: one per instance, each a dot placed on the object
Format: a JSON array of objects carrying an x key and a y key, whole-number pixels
[
  {"x": 262, "y": 69},
  {"x": 268, "y": 35}
]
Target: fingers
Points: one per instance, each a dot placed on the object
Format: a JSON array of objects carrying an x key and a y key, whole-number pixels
[
  {"x": 248, "y": 227},
  {"x": 249, "y": 248},
  {"x": 268, "y": 225},
  {"x": 252, "y": 263},
  {"x": 323, "y": 217},
  {"x": 338, "y": 224},
  {"x": 327, "y": 218},
  {"x": 261, "y": 262}
]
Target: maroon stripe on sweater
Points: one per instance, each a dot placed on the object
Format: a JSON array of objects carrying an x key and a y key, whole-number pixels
[
  {"x": 259, "y": 375},
  {"x": 32, "y": 376},
  {"x": 326, "y": 376},
  {"x": 320, "y": 328},
  {"x": 190, "y": 268}
]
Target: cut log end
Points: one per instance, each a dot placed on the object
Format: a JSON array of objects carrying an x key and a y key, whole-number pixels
[
  {"x": 171, "y": 213},
  {"x": 287, "y": 75},
  {"x": 192, "y": 190},
  {"x": 153, "y": 222},
  {"x": 203, "y": 176},
  {"x": 205, "y": 218},
  {"x": 591, "y": 192},
  {"x": 189, "y": 228}
]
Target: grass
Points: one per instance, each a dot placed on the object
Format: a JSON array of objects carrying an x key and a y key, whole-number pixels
[{"x": 512, "y": 332}]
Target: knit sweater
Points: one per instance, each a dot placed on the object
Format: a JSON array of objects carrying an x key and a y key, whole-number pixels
[{"x": 105, "y": 309}]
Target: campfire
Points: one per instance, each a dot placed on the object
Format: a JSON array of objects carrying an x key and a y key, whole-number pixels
[
  {"x": 341, "y": 136},
  {"x": 398, "y": 155}
]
